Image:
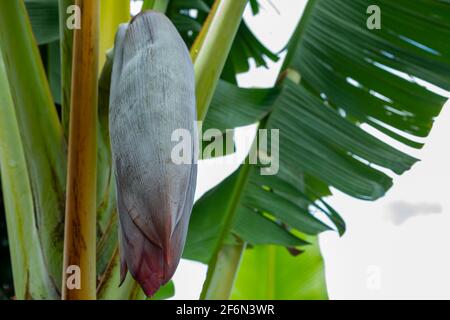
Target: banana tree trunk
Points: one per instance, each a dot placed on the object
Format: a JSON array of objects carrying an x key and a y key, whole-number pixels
[{"x": 80, "y": 224}]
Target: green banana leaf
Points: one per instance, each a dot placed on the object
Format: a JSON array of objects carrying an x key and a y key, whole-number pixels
[
  {"x": 31, "y": 277},
  {"x": 373, "y": 76},
  {"x": 272, "y": 273},
  {"x": 54, "y": 70},
  {"x": 253, "y": 105},
  {"x": 166, "y": 292},
  {"x": 264, "y": 214},
  {"x": 44, "y": 20},
  {"x": 6, "y": 278},
  {"x": 41, "y": 134}
]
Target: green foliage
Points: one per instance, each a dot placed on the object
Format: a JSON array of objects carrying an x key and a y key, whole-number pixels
[
  {"x": 349, "y": 76},
  {"x": 44, "y": 19},
  {"x": 6, "y": 281},
  {"x": 233, "y": 107},
  {"x": 165, "y": 292},
  {"x": 245, "y": 45},
  {"x": 40, "y": 130},
  {"x": 264, "y": 215},
  {"x": 31, "y": 275},
  {"x": 371, "y": 76},
  {"x": 273, "y": 273}
]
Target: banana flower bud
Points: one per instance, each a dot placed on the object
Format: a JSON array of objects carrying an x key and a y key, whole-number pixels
[{"x": 152, "y": 95}]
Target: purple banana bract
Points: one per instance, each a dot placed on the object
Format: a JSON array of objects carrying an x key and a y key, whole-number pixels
[{"x": 152, "y": 94}]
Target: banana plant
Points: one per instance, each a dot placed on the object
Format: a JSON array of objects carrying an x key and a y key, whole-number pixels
[{"x": 339, "y": 77}]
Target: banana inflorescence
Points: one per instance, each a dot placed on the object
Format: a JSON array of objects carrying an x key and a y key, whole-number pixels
[{"x": 152, "y": 94}]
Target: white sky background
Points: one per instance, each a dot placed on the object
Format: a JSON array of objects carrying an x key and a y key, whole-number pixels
[{"x": 394, "y": 248}]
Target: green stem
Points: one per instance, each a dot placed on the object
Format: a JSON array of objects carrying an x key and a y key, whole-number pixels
[
  {"x": 157, "y": 5},
  {"x": 211, "y": 48},
  {"x": 224, "y": 272},
  {"x": 224, "y": 264},
  {"x": 112, "y": 14},
  {"x": 222, "y": 269},
  {"x": 66, "y": 40},
  {"x": 209, "y": 53}
]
